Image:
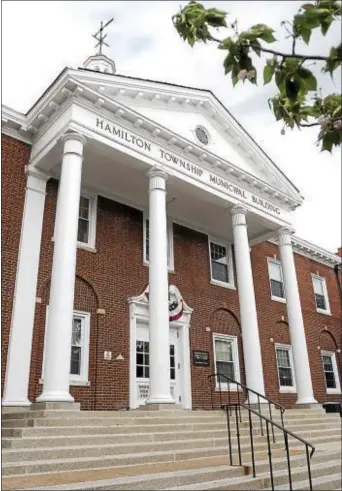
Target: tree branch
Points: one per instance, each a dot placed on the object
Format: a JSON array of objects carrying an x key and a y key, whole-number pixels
[
  {"x": 330, "y": 120},
  {"x": 277, "y": 53}
]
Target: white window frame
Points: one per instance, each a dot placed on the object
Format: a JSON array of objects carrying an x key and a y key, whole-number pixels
[
  {"x": 278, "y": 263},
  {"x": 325, "y": 292},
  {"x": 228, "y": 246},
  {"x": 286, "y": 388},
  {"x": 170, "y": 259},
  {"x": 235, "y": 352},
  {"x": 337, "y": 389},
  {"x": 92, "y": 220},
  {"x": 83, "y": 378}
]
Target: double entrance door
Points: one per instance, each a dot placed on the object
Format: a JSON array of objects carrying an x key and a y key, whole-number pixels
[{"x": 142, "y": 359}]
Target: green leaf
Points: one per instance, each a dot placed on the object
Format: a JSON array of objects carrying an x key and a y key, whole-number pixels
[
  {"x": 307, "y": 78},
  {"x": 306, "y": 34},
  {"x": 268, "y": 73}
]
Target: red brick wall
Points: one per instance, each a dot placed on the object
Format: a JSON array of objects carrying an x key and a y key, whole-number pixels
[
  {"x": 106, "y": 279},
  {"x": 15, "y": 155}
]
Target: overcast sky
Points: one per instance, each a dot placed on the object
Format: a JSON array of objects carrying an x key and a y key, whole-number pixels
[{"x": 41, "y": 38}]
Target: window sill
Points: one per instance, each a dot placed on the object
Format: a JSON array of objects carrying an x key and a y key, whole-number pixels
[
  {"x": 170, "y": 270},
  {"x": 80, "y": 245},
  {"x": 287, "y": 390},
  {"x": 325, "y": 312},
  {"x": 86, "y": 247},
  {"x": 222, "y": 284},
  {"x": 334, "y": 391},
  {"x": 78, "y": 383},
  {"x": 278, "y": 299}
]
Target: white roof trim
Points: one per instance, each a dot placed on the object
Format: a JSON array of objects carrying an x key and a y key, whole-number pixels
[{"x": 312, "y": 251}]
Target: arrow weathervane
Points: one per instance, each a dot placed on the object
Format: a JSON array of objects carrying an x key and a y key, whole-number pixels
[{"x": 99, "y": 36}]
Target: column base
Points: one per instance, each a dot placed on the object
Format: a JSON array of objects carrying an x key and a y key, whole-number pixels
[
  {"x": 55, "y": 397},
  {"x": 308, "y": 406},
  {"x": 22, "y": 403},
  {"x": 306, "y": 402},
  {"x": 160, "y": 400}
]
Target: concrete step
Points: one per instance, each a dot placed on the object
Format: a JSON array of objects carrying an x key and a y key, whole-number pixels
[
  {"x": 108, "y": 430},
  {"x": 121, "y": 466},
  {"x": 70, "y": 462},
  {"x": 61, "y": 441},
  {"x": 262, "y": 481},
  {"x": 76, "y": 451},
  {"x": 55, "y": 441},
  {"x": 184, "y": 477},
  {"x": 107, "y": 421},
  {"x": 135, "y": 414},
  {"x": 323, "y": 483}
]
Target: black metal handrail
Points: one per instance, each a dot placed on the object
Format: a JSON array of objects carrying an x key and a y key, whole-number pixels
[
  {"x": 236, "y": 407},
  {"x": 244, "y": 387}
]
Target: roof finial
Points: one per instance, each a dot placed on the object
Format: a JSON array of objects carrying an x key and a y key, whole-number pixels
[{"x": 99, "y": 36}]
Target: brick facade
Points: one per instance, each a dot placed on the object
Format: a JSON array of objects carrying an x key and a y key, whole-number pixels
[{"x": 107, "y": 277}]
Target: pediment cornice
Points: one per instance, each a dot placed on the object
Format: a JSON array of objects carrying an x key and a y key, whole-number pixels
[{"x": 68, "y": 89}]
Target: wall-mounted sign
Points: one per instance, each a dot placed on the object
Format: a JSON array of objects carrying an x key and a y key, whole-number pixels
[
  {"x": 200, "y": 358},
  {"x": 210, "y": 178}
]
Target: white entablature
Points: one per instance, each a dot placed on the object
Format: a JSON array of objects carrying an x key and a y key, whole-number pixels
[{"x": 231, "y": 152}]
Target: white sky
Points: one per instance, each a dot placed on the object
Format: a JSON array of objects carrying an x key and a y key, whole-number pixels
[{"x": 41, "y": 38}]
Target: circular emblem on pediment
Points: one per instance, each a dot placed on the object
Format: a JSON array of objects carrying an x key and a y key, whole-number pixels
[{"x": 202, "y": 135}]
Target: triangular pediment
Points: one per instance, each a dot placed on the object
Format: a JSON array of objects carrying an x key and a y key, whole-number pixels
[{"x": 182, "y": 110}]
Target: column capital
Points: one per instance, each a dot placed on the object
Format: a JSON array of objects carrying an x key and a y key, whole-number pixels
[
  {"x": 157, "y": 178},
  {"x": 74, "y": 137},
  {"x": 284, "y": 235},
  {"x": 238, "y": 213}
]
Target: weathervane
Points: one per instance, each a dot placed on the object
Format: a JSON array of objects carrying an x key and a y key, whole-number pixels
[{"x": 99, "y": 36}]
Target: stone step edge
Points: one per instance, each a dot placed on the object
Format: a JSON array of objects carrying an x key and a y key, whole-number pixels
[
  {"x": 259, "y": 444},
  {"x": 327, "y": 455},
  {"x": 164, "y": 475},
  {"x": 119, "y": 457},
  {"x": 304, "y": 484},
  {"x": 144, "y": 434},
  {"x": 263, "y": 442},
  {"x": 260, "y": 478}
]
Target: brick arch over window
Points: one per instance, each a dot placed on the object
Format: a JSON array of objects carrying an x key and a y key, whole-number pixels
[
  {"x": 85, "y": 300},
  {"x": 327, "y": 341},
  {"x": 280, "y": 332},
  {"x": 224, "y": 321}
]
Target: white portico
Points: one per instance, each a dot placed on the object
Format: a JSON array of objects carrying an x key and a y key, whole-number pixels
[{"x": 177, "y": 154}]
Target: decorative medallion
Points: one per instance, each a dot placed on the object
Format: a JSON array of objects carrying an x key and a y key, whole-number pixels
[{"x": 202, "y": 135}]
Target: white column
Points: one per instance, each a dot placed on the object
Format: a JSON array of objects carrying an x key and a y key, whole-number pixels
[
  {"x": 24, "y": 301},
  {"x": 296, "y": 324},
  {"x": 248, "y": 314},
  {"x": 159, "y": 392},
  {"x": 59, "y": 327}
]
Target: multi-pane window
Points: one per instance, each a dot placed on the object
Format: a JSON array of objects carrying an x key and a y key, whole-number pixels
[
  {"x": 221, "y": 263},
  {"x": 87, "y": 221},
  {"x": 284, "y": 365},
  {"x": 172, "y": 362},
  {"x": 143, "y": 360},
  {"x": 147, "y": 243},
  {"x": 329, "y": 372},
  {"x": 83, "y": 220},
  {"x": 321, "y": 295},
  {"x": 332, "y": 379},
  {"x": 79, "y": 358},
  {"x": 276, "y": 279},
  {"x": 226, "y": 358},
  {"x": 76, "y": 346}
]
